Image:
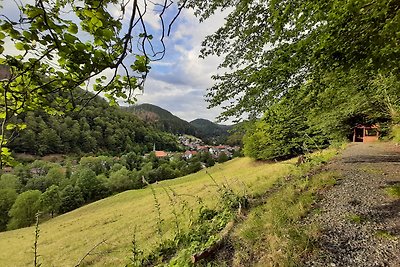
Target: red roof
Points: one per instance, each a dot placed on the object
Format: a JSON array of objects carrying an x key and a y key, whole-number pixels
[
  {"x": 161, "y": 154},
  {"x": 190, "y": 152}
]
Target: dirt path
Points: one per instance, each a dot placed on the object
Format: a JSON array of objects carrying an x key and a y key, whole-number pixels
[{"x": 360, "y": 223}]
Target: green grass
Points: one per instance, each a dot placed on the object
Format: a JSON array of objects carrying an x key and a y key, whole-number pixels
[
  {"x": 384, "y": 234},
  {"x": 393, "y": 191},
  {"x": 272, "y": 234},
  {"x": 355, "y": 218},
  {"x": 395, "y": 133},
  {"x": 66, "y": 238}
]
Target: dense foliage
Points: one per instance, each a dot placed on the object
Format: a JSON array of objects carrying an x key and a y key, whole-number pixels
[
  {"x": 50, "y": 48},
  {"x": 337, "y": 61},
  {"x": 96, "y": 128}
]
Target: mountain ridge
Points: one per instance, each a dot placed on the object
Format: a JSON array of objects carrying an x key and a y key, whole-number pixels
[{"x": 167, "y": 121}]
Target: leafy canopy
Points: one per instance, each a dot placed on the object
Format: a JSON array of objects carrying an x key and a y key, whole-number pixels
[
  {"x": 272, "y": 48},
  {"x": 104, "y": 46}
]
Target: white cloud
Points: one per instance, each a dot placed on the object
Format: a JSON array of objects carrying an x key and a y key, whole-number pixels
[{"x": 179, "y": 83}]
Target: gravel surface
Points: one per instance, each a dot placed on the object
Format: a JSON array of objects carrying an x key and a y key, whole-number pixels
[{"x": 360, "y": 224}]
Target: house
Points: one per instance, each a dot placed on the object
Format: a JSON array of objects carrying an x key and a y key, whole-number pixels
[
  {"x": 161, "y": 154},
  {"x": 365, "y": 133},
  {"x": 189, "y": 154}
]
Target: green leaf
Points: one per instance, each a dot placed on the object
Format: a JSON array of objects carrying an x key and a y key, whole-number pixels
[
  {"x": 98, "y": 42},
  {"x": 20, "y": 46},
  {"x": 5, "y": 151},
  {"x": 108, "y": 34},
  {"x": 88, "y": 13},
  {"x": 10, "y": 126},
  {"x": 27, "y": 35},
  {"x": 73, "y": 28},
  {"x": 70, "y": 38},
  {"x": 2, "y": 35}
]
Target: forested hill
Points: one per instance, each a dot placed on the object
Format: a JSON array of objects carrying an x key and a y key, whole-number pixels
[
  {"x": 97, "y": 128},
  {"x": 208, "y": 129},
  {"x": 166, "y": 121},
  {"x": 163, "y": 119}
]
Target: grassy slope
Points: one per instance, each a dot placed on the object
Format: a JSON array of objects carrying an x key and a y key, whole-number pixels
[{"x": 65, "y": 239}]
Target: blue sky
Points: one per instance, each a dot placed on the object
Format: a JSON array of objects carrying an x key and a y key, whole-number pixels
[{"x": 177, "y": 83}]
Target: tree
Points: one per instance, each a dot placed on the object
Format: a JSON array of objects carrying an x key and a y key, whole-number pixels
[
  {"x": 56, "y": 58},
  {"x": 7, "y": 199},
  {"x": 71, "y": 198},
  {"x": 49, "y": 142},
  {"x": 207, "y": 158},
  {"x": 87, "y": 182},
  {"x": 132, "y": 160},
  {"x": 101, "y": 164},
  {"x": 55, "y": 175},
  {"x": 194, "y": 165},
  {"x": 50, "y": 200},
  {"x": 334, "y": 62},
  {"x": 10, "y": 181},
  {"x": 275, "y": 47},
  {"x": 222, "y": 157},
  {"x": 24, "y": 209},
  {"x": 163, "y": 172},
  {"x": 120, "y": 180}
]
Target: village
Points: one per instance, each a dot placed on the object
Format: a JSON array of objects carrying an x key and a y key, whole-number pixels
[{"x": 195, "y": 145}]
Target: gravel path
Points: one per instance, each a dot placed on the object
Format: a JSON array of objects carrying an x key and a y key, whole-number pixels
[{"x": 360, "y": 224}]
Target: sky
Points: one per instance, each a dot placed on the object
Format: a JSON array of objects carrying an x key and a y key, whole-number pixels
[{"x": 179, "y": 81}]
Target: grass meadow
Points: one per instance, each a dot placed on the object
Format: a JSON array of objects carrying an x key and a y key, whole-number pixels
[{"x": 65, "y": 239}]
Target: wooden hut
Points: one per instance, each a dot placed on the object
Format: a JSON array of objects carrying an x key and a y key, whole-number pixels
[{"x": 366, "y": 133}]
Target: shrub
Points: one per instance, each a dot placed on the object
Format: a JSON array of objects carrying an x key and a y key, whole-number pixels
[{"x": 24, "y": 209}]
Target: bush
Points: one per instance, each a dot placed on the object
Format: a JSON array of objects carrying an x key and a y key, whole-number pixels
[
  {"x": 71, "y": 198},
  {"x": 10, "y": 181},
  {"x": 120, "y": 180},
  {"x": 24, "y": 209},
  {"x": 7, "y": 199},
  {"x": 222, "y": 158}
]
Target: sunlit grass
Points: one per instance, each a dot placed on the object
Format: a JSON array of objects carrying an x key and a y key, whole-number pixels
[
  {"x": 66, "y": 238},
  {"x": 393, "y": 190},
  {"x": 272, "y": 235}
]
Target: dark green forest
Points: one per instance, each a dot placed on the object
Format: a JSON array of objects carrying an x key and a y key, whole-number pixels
[
  {"x": 208, "y": 131},
  {"x": 96, "y": 128},
  {"x": 163, "y": 119}
]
